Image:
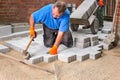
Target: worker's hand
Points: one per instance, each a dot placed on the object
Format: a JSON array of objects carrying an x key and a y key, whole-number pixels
[
  {"x": 32, "y": 32},
  {"x": 53, "y": 50}
]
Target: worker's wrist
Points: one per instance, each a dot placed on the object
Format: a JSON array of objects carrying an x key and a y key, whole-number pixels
[
  {"x": 55, "y": 46},
  {"x": 31, "y": 27}
]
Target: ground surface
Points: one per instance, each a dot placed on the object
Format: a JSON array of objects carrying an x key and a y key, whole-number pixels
[{"x": 105, "y": 68}]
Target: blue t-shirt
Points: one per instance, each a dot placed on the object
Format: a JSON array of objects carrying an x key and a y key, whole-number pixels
[{"x": 44, "y": 15}]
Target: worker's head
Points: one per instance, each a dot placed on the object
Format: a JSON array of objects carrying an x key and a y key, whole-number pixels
[{"x": 58, "y": 9}]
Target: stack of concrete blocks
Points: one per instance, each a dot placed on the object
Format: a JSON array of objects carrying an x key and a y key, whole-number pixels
[
  {"x": 96, "y": 49},
  {"x": 93, "y": 40},
  {"x": 81, "y": 41},
  {"x": 109, "y": 38},
  {"x": 5, "y": 30},
  {"x": 3, "y": 49}
]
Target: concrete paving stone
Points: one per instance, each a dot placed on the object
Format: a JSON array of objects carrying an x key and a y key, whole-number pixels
[
  {"x": 82, "y": 56},
  {"x": 89, "y": 11},
  {"x": 3, "y": 49},
  {"x": 93, "y": 48},
  {"x": 82, "y": 45},
  {"x": 14, "y": 46},
  {"x": 35, "y": 49},
  {"x": 72, "y": 54},
  {"x": 85, "y": 15},
  {"x": 49, "y": 58},
  {"x": 94, "y": 54},
  {"x": 107, "y": 46},
  {"x": 100, "y": 46},
  {"x": 94, "y": 43},
  {"x": 17, "y": 38},
  {"x": 68, "y": 55},
  {"x": 35, "y": 59},
  {"x": 108, "y": 25},
  {"x": 106, "y": 31},
  {"x": 5, "y": 30},
  {"x": 109, "y": 39},
  {"x": 91, "y": 19},
  {"x": 67, "y": 58},
  {"x": 92, "y": 37},
  {"x": 102, "y": 36},
  {"x": 82, "y": 39},
  {"x": 82, "y": 9},
  {"x": 94, "y": 5}
]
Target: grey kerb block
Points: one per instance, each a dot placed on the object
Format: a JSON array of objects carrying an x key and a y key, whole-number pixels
[
  {"x": 5, "y": 30},
  {"x": 3, "y": 49}
]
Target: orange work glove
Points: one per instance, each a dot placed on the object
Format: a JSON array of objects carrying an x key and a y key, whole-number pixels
[
  {"x": 32, "y": 32},
  {"x": 101, "y": 3},
  {"x": 53, "y": 50}
]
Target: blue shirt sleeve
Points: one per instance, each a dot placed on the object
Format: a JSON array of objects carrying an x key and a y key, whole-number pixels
[
  {"x": 64, "y": 25},
  {"x": 40, "y": 15}
]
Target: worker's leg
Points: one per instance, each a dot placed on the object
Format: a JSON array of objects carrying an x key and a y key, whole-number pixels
[
  {"x": 49, "y": 36},
  {"x": 67, "y": 39},
  {"x": 100, "y": 16}
]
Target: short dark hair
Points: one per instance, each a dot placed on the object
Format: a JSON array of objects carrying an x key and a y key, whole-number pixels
[{"x": 61, "y": 6}]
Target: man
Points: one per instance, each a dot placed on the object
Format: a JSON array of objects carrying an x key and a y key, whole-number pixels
[
  {"x": 55, "y": 19},
  {"x": 100, "y": 13}
]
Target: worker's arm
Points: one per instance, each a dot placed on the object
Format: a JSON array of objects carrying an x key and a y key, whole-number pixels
[
  {"x": 58, "y": 40},
  {"x": 32, "y": 29},
  {"x": 31, "y": 21}
]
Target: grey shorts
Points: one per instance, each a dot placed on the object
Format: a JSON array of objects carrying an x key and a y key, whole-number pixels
[{"x": 50, "y": 35}]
